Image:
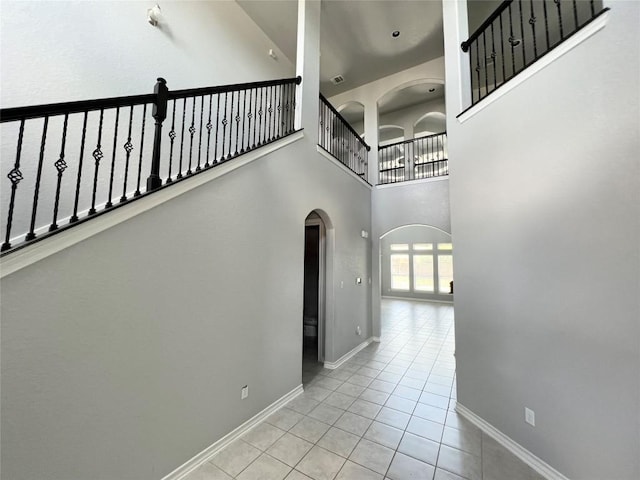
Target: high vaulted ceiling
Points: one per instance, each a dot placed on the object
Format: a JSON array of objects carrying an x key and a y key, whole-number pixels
[{"x": 355, "y": 39}]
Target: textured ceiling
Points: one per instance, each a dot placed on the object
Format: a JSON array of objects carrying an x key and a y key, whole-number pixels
[{"x": 355, "y": 38}]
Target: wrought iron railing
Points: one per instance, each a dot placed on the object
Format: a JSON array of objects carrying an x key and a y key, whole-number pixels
[
  {"x": 68, "y": 162},
  {"x": 339, "y": 139},
  {"x": 517, "y": 34},
  {"x": 414, "y": 159}
]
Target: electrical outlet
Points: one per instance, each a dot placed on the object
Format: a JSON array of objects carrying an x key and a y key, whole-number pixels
[
  {"x": 358, "y": 330},
  {"x": 530, "y": 416},
  {"x": 244, "y": 393},
  {"x": 358, "y": 280}
]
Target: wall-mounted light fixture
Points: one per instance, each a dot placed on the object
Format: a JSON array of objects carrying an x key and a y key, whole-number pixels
[{"x": 154, "y": 14}]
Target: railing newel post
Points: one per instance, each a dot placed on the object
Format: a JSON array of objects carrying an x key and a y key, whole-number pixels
[{"x": 159, "y": 113}]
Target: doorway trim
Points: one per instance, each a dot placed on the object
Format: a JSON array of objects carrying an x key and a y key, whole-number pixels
[{"x": 321, "y": 281}]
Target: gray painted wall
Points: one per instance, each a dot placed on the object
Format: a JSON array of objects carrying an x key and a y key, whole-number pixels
[
  {"x": 123, "y": 356},
  {"x": 410, "y": 203},
  {"x": 546, "y": 223}
]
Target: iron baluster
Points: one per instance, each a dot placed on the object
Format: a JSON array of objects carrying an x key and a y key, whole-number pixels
[
  {"x": 184, "y": 117},
  {"x": 270, "y": 110},
  {"x": 61, "y": 166},
  {"x": 493, "y": 58},
  {"x": 209, "y": 127},
  {"x": 575, "y": 13},
  {"x": 230, "y": 127},
  {"x": 244, "y": 118},
  {"x": 97, "y": 156},
  {"x": 198, "y": 167},
  {"x": 546, "y": 23},
  {"x": 486, "y": 70},
  {"x": 113, "y": 158},
  {"x": 559, "y": 7},
  {"x": 74, "y": 217},
  {"x": 192, "y": 131},
  {"x": 522, "y": 42},
  {"x": 237, "y": 119},
  {"x": 144, "y": 119},
  {"x": 215, "y": 137},
  {"x": 512, "y": 42},
  {"x": 478, "y": 71},
  {"x": 250, "y": 117},
  {"x": 260, "y": 127},
  {"x": 14, "y": 176},
  {"x": 128, "y": 147},
  {"x": 224, "y": 125},
  {"x": 31, "y": 235},
  {"x": 532, "y": 22},
  {"x": 504, "y": 72},
  {"x": 172, "y": 137}
]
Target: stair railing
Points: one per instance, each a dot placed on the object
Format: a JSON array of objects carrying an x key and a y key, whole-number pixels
[
  {"x": 413, "y": 159},
  {"x": 69, "y": 162},
  {"x": 517, "y": 34},
  {"x": 339, "y": 139}
]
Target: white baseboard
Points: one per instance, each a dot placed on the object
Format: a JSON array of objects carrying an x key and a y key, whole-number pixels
[
  {"x": 348, "y": 355},
  {"x": 540, "y": 466},
  {"x": 202, "y": 457},
  {"x": 375, "y": 339}
]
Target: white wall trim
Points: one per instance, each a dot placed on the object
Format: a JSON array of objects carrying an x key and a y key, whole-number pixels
[
  {"x": 341, "y": 165},
  {"x": 375, "y": 339},
  {"x": 565, "y": 47},
  {"x": 518, "y": 450},
  {"x": 183, "y": 470},
  {"x": 348, "y": 355},
  {"x": 38, "y": 251},
  {"x": 413, "y": 182}
]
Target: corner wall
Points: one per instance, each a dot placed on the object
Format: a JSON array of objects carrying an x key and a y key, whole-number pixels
[{"x": 546, "y": 222}]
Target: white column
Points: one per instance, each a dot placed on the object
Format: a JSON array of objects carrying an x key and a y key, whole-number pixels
[
  {"x": 408, "y": 150},
  {"x": 458, "y": 73},
  {"x": 371, "y": 137},
  {"x": 308, "y": 67}
]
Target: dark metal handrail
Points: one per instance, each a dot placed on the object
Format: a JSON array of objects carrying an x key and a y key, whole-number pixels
[
  {"x": 340, "y": 140},
  {"x": 239, "y": 117},
  {"x": 487, "y": 23},
  {"x": 413, "y": 159},
  {"x": 517, "y": 34},
  {"x": 411, "y": 140}
]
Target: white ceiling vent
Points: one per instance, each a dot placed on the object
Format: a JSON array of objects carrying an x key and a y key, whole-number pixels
[{"x": 337, "y": 80}]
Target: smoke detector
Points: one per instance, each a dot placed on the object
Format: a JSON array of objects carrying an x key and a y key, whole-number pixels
[{"x": 337, "y": 80}]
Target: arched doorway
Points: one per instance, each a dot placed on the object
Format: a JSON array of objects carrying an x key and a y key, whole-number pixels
[{"x": 314, "y": 296}]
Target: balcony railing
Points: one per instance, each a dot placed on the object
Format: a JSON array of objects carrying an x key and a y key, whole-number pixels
[
  {"x": 414, "y": 159},
  {"x": 339, "y": 139},
  {"x": 517, "y": 34},
  {"x": 69, "y": 162}
]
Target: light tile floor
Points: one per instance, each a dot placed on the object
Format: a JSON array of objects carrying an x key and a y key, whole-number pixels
[{"x": 387, "y": 413}]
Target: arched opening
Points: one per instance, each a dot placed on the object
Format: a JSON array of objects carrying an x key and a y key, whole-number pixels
[
  {"x": 388, "y": 134},
  {"x": 430, "y": 123},
  {"x": 317, "y": 246},
  {"x": 416, "y": 262},
  {"x": 353, "y": 113}
]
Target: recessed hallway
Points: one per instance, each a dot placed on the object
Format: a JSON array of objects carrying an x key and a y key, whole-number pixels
[{"x": 389, "y": 412}]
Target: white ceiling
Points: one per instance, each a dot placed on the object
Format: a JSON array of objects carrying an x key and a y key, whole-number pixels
[{"x": 355, "y": 38}]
